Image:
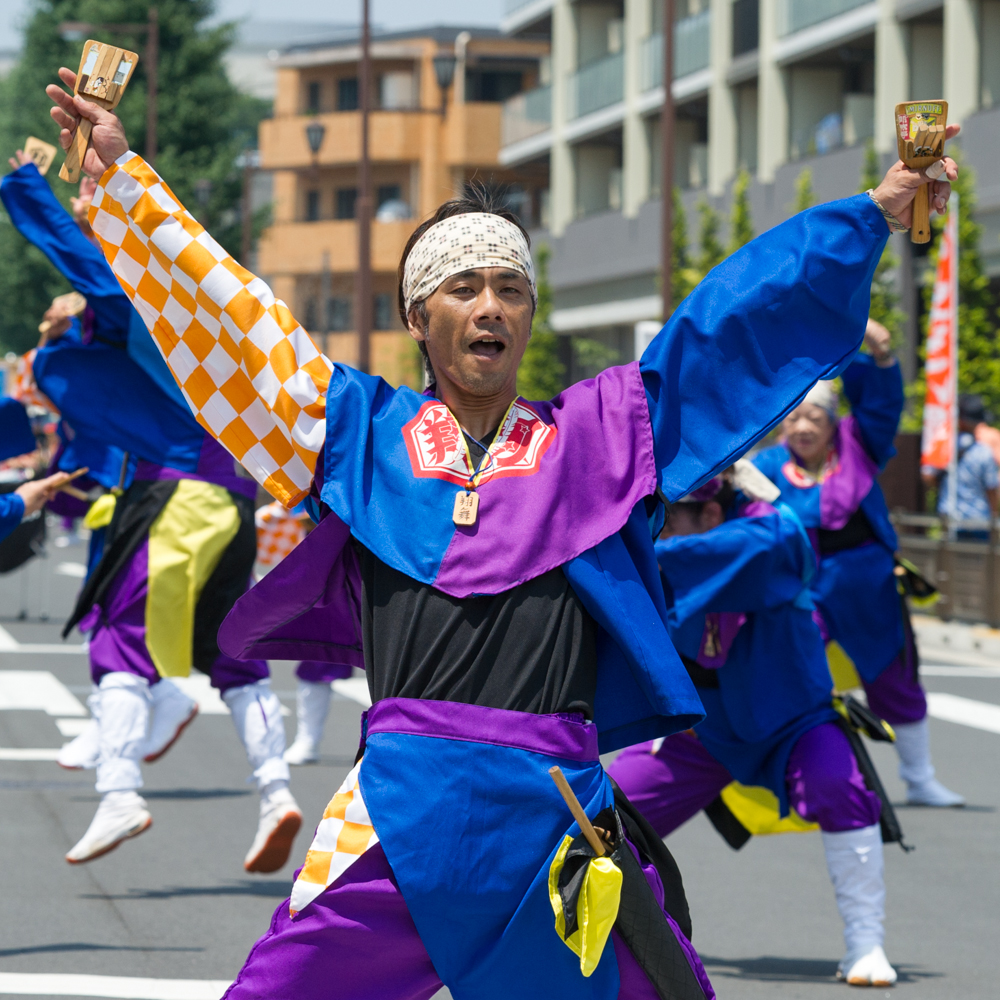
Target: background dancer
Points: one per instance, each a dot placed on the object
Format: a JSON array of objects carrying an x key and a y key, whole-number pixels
[
  {"x": 736, "y": 573},
  {"x": 827, "y": 472},
  {"x": 522, "y": 604},
  {"x": 179, "y": 551},
  {"x": 279, "y": 530}
]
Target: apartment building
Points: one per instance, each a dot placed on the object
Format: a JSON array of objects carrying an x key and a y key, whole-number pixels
[
  {"x": 769, "y": 86},
  {"x": 431, "y": 133}
]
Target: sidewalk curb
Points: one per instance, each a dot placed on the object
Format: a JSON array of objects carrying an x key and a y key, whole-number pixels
[{"x": 977, "y": 641}]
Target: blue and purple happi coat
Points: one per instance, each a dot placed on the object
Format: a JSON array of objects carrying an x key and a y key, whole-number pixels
[{"x": 571, "y": 478}]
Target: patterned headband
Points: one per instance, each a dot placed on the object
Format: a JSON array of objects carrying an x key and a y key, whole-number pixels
[{"x": 463, "y": 243}]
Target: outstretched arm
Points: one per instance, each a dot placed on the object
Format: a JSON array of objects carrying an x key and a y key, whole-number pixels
[
  {"x": 41, "y": 220},
  {"x": 251, "y": 375}
]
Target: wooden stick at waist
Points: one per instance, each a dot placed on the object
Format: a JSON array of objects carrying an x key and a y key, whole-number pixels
[{"x": 586, "y": 827}]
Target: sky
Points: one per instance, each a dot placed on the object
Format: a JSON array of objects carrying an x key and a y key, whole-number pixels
[{"x": 389, "y": 14}]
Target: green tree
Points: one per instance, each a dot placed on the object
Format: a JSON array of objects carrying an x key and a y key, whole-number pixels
[
  {"x": 204, "y": 124},
  {"x": 710, "y": 248},
  {"x": 978, "y": 347},
  {"x": 805, "y": 197},
  {"x": 683, "y": 277},
  {"x": 541, "y": 373},
  {"x": 740, "y": 221},
  {"x": 885, "y": 300}
]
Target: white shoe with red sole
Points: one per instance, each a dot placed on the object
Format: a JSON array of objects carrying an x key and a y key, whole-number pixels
[
  {"x": 173, "y": 712},
  {"x": 120, "y": 815},
  {"x": 280, "y": 819}
]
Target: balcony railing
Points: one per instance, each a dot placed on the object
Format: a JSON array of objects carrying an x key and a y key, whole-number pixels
[
  {"x": 597, "y": 86},
  {"x": 794, "y": 15},
  {"x": 691, "y": 50},
  {"x": 525, "y": 115}
]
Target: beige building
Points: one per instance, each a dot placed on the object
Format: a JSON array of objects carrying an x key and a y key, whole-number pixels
[{"x": 427, "y": 143}]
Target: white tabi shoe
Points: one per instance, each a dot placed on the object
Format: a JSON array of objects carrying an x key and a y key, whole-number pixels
[
  {"x": 173, "y": 712},
  {"x": 280, "y": 819},
  {"x": 119, "y": 816},
  {"x": 83, "y": 752},
  {"x": 870, "y": 969},
  {"x": 312, "y": 702},
  {"x": 916, "y": 769}
]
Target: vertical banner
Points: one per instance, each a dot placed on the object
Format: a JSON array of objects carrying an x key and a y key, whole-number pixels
[{"x": 938, "y": 444}]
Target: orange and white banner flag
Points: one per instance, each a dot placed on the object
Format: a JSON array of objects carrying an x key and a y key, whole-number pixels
[{"x": 941, "y": 366}]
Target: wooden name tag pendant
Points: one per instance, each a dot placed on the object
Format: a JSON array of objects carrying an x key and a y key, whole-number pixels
[
  {"x": 104, "y": 73},
  {"x": 466, "y": 509},
  {"x": 920, "y": 129},
  {"x": 41, "y": 153}
]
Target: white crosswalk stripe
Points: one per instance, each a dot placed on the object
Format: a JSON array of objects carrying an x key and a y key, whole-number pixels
[
  {"x": 964, "y": 711},
  {"x": 119, "y": 987}
]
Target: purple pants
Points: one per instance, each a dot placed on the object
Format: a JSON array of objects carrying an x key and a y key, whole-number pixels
[
  {"x": 360, "y": 936},
  {"x": 896, "y": 694},
  {"x": 118, "y": 639},
  {"x": 317, "y": 672},
  {"x": 677, "y": 781}
]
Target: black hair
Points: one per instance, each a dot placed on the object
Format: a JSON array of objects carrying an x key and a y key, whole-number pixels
[
  {"x": 724, "y": 498},
  {"x": 477, "y": 198}
]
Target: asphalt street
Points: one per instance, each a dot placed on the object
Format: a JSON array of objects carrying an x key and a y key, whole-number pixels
[{"x": 175, "y": 904}]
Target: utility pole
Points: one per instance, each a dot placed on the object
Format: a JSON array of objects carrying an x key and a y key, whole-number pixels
[
  {"x": 152, "y": 73},
  {"x": 363, "y": 285},
  {"x": 667, "y": 157}
]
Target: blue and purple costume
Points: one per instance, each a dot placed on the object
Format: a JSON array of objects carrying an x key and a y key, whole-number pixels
[
  {"x": 536, "y": 636},
  {"x": 739, "y": 612},
  {"x": 16, "y": 438},
  {"x": 857, "y": 602}
]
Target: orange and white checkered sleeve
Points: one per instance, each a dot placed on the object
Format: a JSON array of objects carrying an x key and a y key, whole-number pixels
[{"x": 254, "y": 379}]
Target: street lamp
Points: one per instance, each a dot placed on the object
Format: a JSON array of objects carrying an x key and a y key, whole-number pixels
[
  {"x": 315, "y": 131},
  {"x": 444, "y": 70},
  {"x": 667, "y": 159},
  {"x": 76, "y": 31},
  {"x": 249, "y": 162}
]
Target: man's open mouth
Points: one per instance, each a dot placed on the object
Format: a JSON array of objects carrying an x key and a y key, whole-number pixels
[{"x": 487, "y": 347}]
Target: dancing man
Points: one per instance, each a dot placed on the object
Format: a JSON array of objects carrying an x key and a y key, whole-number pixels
[
  {"x": 827, "y": 471},
  {"x": 491, "y": 559},
  {"x": 736, "y": 573},
  {"x": 179, "y": 550}
]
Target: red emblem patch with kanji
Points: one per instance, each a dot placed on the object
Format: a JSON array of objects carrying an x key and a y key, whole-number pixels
[{"x": 437, "y": 450}]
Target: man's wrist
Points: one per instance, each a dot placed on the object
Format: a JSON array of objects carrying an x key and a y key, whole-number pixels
[{"x": 891, "y": 221}]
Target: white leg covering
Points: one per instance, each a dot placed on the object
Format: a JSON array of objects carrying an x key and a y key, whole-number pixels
[
  {"x": 84, "y": 751},
  {"x": 916, "y": 769},
  {"x": 312, "y": 703},
  {"x": 257, "y": 716},
  {"x": 856, "y": 865},
  {"x": 124, "y": 720}
]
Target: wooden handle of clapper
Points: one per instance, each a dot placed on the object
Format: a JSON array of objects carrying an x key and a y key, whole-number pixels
[
  {"x": 920, "y": 227},
  {"x": 586, "y": 827},
  {"x": 70, "y": 170}
]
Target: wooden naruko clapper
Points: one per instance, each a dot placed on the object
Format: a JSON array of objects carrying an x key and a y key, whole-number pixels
[
  {"x": 920, "y": 127},
  {"x": 104, "y": 73},
  {"x": 41, "y": 153}
]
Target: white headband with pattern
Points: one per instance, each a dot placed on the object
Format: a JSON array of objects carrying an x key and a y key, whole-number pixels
[{"x": 464, "y": 243}]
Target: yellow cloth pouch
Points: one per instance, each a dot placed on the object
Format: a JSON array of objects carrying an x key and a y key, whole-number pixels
[
  {"x": 842, "y": 669},
  {"x": 186, "y": 543},
  {"x": 757, "y": 809},
  {"x": 100, "y": 513},
  {"x": 596, "y": 906}
]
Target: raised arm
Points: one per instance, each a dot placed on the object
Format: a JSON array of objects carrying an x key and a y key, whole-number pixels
[
  {"x": 787, "y": 309},
  {"x": 251, "y": 375},
  {"x": 42, "y": 221},
  {"x": 873, "y": 385}
]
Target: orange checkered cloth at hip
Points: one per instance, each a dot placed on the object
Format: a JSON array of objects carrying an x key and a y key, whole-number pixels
[
  {"x": 252, "y": 376},
  {"x": 278, "y": 532}
]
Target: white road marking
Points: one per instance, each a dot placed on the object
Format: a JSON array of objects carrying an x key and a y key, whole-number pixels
[
  {"x": 964, "y": 711},
  {"x": 74, "y": 569},
  {"x": 354, "y": 688},
  {"x": 942, "y": 671},
  {"x": 8, "y": 644},
  {"x": 199, "y": 687},
  {"x": 120, "y": 987},
  {"x": 72, "y": 727},
  {"x": 37, "y": 690},
  {"x": 7, "y": 641},
  {"x": 19, "y": 753}
]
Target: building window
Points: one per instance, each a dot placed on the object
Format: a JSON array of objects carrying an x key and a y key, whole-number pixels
[
  {"x": 314, "y": 97},
  {"x": 313, "y": 206},
  {"x": 338, "y": 313},
  {"x": 383, "y": 311},
  {"x": 492, "y": 85},
  {"x": 347, "y": 94},
  {"x": 310, "y": 321},
  {"x": 347, "y": 203},
  {"x": 746, "y": 26},
  {"x": 388, "y": 192}
]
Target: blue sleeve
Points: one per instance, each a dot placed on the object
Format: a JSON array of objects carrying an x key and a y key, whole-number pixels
[
  {"x": 11, "y": 512},
  {"x": 746, "y": 345},
  {"x": 107, "y": 397},
  {"x": 41, "y": 220},
  {"x": 771, "y": 460},
  {"x": 876, "y": 398},
  {"x": 745, "y": 565},
  {"x": 16, "y": 436}
]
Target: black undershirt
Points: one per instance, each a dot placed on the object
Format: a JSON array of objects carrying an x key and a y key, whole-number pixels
[{"x": 530, "y": 649}]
